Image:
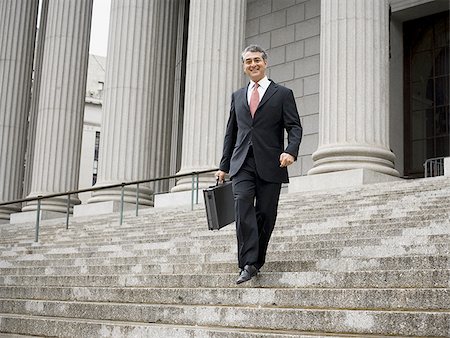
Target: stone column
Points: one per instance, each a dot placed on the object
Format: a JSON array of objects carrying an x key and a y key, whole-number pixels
[
  {"x": 354, "y": 87},
  {"x": 61, "y": 103},
  {"x": 179, "y": 88},
  {"x": 17, "y": 36},
  {"x": 163, "y": 93},
  {"x": 213, "y": 72},
  {"x": 125, "y": 145},
  {"x": 32, "y": 116}
]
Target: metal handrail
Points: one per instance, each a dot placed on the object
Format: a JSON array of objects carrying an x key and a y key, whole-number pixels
[
  {"x": 194, "y": 194},
  {"x": 434, "y": 167}
]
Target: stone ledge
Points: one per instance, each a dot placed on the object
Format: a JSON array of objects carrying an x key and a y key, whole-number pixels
[
  {"x": 339, "y": 179},
  {"x": 30, "y": 216},
  {"x": 101, "y": 208}
]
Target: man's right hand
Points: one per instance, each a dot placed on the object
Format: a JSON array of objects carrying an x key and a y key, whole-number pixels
[{"x": 220, "y": 176}]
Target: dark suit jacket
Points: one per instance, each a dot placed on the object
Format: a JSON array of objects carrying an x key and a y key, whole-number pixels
[{"x": 276, "y": 112}]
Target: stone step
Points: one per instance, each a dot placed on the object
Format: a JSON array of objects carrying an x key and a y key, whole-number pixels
[
  {"x": 67, "y": 327},
  {"x": 407, "y": 199},
  {"x": 132, "y": 233},
  {"x": 210, "y": 251},
  {"x": 407, "y": 278},
  {"x": 433, "y": 233},
  {"x": 382, "y": 250},
  {"x": 141, "y": 265},
  {"x": 9, "y": 335},
  {"x": 128, "y": 231},
  {"x": 436, "y": 190},
  {"x": 359, "y": 299},
  {"x": 129, "y": 234},
  {"x": 319, "y": 204},
  {"x": 408, "y": 323},
  {"x": 293, "y": 225},
  {"x": 368, "y": 209},
  {"x": 191, "y": 220},
  {"x": 163, "y": 252},
  {"x": 345, "y": 255},
  {"x": 359, "y": 261}
]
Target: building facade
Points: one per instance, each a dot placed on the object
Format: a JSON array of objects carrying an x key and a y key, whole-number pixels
[{"x": 370, "y": 77}]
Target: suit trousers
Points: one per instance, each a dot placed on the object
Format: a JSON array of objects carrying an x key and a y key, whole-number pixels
[{"x": 256, "y": 204}]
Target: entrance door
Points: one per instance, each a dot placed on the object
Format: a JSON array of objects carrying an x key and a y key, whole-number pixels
[{"x": 426, "y": 92}]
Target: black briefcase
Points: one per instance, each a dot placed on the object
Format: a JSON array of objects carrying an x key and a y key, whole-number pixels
[{"x": 219, "y": 205}]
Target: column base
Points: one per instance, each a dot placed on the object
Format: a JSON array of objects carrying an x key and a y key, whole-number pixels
[
  {"x": 55, "y": 204},
  {"x": 347, "y": 157},
  {"x": 185, "y": 184},
  {"x": 129, "y": 195},
  {"x": 447, "y": 166},
  {"x": 338, "y": 179},
  {"x": 177, "y": 199},
  {"x": 30, "y": 216},
  {"x": 101, "y": 208},
  {"x": 7, "y": 210},
  {"x": 184, "y": 198}
]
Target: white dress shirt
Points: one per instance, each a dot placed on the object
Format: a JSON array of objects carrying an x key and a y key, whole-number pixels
[{"x": 263, "y": 85}]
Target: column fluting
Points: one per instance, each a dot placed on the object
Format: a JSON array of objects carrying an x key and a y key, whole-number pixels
[
  {"x": 163, "y": 93},
  {"x": 59, "y": 128},
  {"x": 32, "y": 116},
  {"x": 213, "y": 72},
  {"x": 179, "y": 88},
  {"x": 126, "y": 132},
  {"x": 354, "y": 88},
  {"x": 17, "y": 37}
]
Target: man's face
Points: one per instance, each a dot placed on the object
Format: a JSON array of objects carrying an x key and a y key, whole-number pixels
[{"x": 254, "y": 66}]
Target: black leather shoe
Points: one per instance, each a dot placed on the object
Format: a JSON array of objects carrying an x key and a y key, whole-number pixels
[{"x": 247, "y": 273}]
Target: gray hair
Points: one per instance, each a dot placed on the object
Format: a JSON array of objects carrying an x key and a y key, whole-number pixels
[{"x": 252, "y": 49}]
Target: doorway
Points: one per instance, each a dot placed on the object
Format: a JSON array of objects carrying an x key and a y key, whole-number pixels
[{"x": 426, "y": 91}]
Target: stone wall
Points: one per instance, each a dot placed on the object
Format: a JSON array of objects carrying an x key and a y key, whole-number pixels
[{"x": 290, "y": 31}]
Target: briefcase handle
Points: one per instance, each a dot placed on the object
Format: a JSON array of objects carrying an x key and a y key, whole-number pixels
[{"x": 217, "y": 181}]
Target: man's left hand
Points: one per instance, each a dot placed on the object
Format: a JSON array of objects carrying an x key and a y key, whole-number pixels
[{"x": 286, "y": 160}]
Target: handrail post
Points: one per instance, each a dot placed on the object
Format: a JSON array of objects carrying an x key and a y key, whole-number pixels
[
  {"x": 68, "y": 211},
  {"x": 195, "y": 175},
  {"x": 137, "y": 199},
  {"x": 433, "y": 167},
  {"x": 192, "y": 191},
  {"x": 196, "y": 188},
  {"x": 38, "y": 216},
  {"x": 121, "y": 203}
]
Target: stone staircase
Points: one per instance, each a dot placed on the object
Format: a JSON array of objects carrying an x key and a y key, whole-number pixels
[{"x": 358, "y": 262}]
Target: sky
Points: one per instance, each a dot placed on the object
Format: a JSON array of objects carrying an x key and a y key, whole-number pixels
[{"x": 99, "y": 29}]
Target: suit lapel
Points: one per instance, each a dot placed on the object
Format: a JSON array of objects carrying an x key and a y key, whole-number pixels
[
  {"x": 272, "y": 89},
  {"x": 241, "y": 96}
]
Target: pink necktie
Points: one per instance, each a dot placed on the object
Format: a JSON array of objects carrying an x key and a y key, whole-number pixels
[{"x": 254, "y": 100}]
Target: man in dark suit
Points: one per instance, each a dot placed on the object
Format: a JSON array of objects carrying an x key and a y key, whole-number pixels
[{"x": 256, "y": 159}]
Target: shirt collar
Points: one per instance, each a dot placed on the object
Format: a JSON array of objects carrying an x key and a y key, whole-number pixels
[{"x": 264, "y": 83}]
